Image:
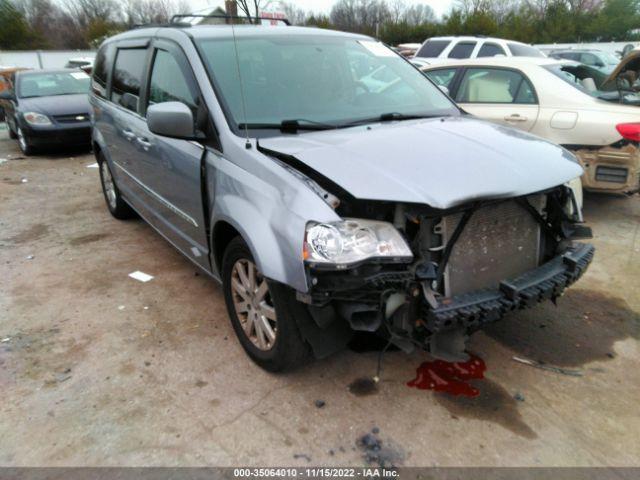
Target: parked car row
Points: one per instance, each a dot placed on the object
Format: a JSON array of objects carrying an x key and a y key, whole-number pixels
[{"x": 331, "y": 187}]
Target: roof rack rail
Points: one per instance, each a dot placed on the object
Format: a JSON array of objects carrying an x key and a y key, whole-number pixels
[
  {"x": 253, "y": 20},
  {"x": 161, "y": 25}
]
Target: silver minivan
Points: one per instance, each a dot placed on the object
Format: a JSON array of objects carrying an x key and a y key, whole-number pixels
[{"x": 326, "y": 204}]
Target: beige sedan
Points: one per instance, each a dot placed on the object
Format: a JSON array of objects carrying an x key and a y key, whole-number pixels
[{"x": 556, "y": 100}]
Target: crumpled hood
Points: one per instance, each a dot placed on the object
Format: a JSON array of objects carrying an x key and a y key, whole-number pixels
[
  {"x": 57, "y": 104},
  {"x": 438, "y": 162}
]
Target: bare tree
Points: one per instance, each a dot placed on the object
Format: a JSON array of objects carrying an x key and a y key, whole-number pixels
[
  {"x": 152, "y": 11},
  {"x": 419, "y": 14},
  {"x": 295, "y": 15},
  {"x": 252, "y": 8},
  {"x": 397, "y": 9},
  {"x": 54, "y": 27},
  {"x": 360, "y": 15},
  {"x": 85, "y": 12}
]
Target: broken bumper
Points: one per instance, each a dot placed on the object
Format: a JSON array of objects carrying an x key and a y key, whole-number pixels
[
  {"x": 547, "y": 282},
  {"x": 610, "y": 169}
]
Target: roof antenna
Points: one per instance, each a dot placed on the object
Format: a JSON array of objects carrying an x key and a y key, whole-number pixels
[{"x": 247, "y": 144}]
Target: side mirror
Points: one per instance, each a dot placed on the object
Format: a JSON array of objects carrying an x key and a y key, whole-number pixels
[
  {"x": 171, "y": 119},
  {"x": 444, "y": 90},
  {"x": 7, "y": 95}
]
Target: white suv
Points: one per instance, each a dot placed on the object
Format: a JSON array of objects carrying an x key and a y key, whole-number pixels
[{"x": 472, "y": 47}]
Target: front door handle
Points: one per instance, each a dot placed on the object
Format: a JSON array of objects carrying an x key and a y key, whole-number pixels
[
  {"x": 515, "y": 117},
  {"x": 144, "y": 143},
  {"x": 128, "y": 134}
]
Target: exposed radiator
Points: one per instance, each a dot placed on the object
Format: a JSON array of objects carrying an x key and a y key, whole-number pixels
[{"x": 499, "y": 242}]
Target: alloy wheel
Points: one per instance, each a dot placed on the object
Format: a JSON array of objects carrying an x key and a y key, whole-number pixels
[
  {"x": 253, "y": 304},
  {"x": 21, "y": 140},
  {"x": 109, "y": 187}
]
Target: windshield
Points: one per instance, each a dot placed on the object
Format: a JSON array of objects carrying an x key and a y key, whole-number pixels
[
  {"x": 318, "y": 79},
  {"x": 48, "y": 84}
]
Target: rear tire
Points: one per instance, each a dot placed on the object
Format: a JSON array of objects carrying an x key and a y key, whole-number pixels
[
  {"x": 115, "y": 203},
  {"x": 255, "y": 303}
]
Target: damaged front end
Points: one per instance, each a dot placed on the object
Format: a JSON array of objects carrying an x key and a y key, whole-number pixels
[{"x": 448, "y": 272}]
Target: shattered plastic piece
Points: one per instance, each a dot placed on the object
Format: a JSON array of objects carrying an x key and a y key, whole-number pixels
[
  {"x": 93, "y": 165},
  {"x": 121, "y": 307},
  {"x": 30, "y": 257},
  {"x": 550, "y": 368},
  {"x": 140, "y": 276}
]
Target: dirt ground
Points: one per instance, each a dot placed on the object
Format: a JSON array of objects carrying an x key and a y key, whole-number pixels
[{"x": 99, "y": 369}]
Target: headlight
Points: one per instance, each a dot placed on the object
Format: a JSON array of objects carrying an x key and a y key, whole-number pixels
[
  {"x": 353, "y": 240},
  {"x": 34, "y": 118}
]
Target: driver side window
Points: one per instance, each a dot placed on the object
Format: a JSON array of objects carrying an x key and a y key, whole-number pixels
[{"x": 168, "y": 83}]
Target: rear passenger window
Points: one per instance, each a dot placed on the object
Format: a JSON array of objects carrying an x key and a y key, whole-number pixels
[
  {"x": 102, "y": 65},
  {"x": 462, "y": 50},
  {"x": 492, "y": 85},
  {"x": 168, "y": 83},
  {"x": 490, "y": 50},
  {"x": 432, "y": 48},
  {"x": 127, "y": 77}
]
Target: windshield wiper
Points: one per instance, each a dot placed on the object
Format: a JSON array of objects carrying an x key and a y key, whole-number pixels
[
  {"x": 389, "y": 117},
  {"x": 289, "y": 126}
]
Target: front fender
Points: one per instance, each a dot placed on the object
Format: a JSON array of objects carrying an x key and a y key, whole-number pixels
[{"x": 270, "y": 210}]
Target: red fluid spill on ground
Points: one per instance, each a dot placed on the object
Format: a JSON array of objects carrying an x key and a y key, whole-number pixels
[{"x": 450, "y": 377}]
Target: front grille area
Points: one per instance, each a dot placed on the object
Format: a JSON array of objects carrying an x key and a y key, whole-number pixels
[
  {"x": 500, "y": 241},
  {"x": 546, "y": 282},
  {"x": 72, "y": 118},
  {"x": 611, "y": 174}
]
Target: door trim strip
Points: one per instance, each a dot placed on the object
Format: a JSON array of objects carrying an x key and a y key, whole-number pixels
[{"x": 158, "y": 197}]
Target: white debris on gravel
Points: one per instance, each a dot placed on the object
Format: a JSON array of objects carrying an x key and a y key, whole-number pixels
[
  {"x": 30, "y": 257},
  {"x": 140, "y": 276},
  {"x": 2, "y": 160},
  {"x": 93, "y": 165},
  {"x": 24, "y": 180},
  {"x": 121, "y": 307},
  {"x": 5, "y": 340}
]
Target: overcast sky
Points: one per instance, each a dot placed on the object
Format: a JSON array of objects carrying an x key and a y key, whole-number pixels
[{"x": 439, "y": 6}]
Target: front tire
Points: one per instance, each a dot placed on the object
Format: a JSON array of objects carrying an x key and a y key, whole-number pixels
[
  {"x": 261, "y": 312},
  {"x": 12, "y": 134},
  {"x": 115, "y": 203},
  {"x": 23, "y": 143}
]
